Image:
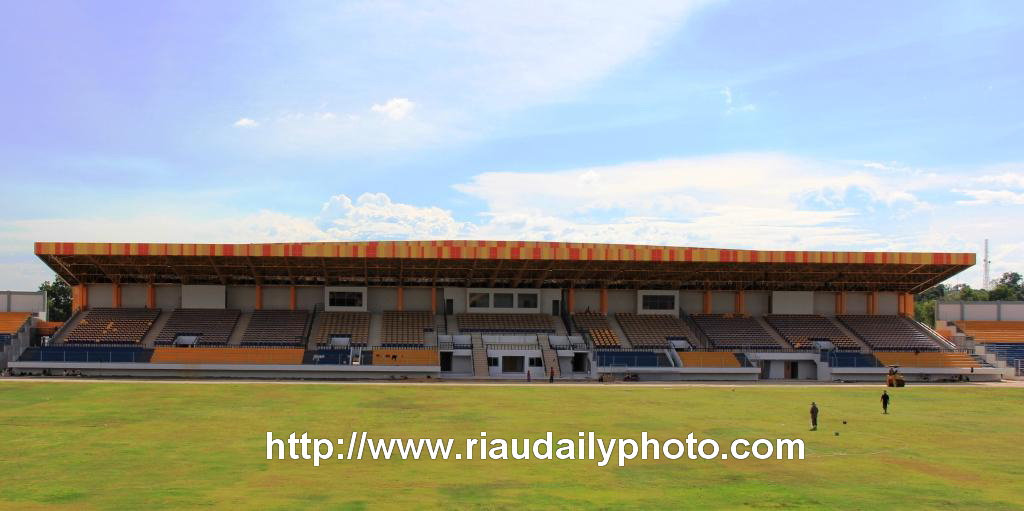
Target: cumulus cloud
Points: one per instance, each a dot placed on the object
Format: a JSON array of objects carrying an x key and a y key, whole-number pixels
[
  {"x": 246, "y": 122},
  {"x": 731, "y": 108},
  {"x": 760, "y": 201},
  {"x": 395, "y": 108}
]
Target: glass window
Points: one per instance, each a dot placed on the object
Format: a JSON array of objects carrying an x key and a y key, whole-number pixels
[
  {"x": 492, "y": 361},
  {"x": 659, "y": 302},
  {"x": 527, "y": 300},
  {"x": 345, "y": 299},
  {"x": 479, "y": 300},
  {"x": 503, "y": 300},
  {"x": 536, "y": 362}
]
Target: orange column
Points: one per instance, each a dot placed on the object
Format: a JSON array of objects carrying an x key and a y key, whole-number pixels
[
  {"x": 740, "y": 307},
  {"x": 873, "y": 302},
  {"x": 604, "y": 301},
  {"x": 150, "y": 296},
  {"x": 259, "y": 297},
  {"x": 571, "y": 301},
  {"x": 79, "y": 298},
  {"x": 840, "y": 306},
  {"x": 401, "y": 298},
  {"x": 116, "y": 299},
  {"x": 707, "y": 301},
  {"x": 433, "y": 300},
  {"x": 291, "y": 297}
]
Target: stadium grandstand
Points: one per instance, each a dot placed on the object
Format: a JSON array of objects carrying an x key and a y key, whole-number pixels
[
  {"x": 993, "y": 330},
  {"x": 497, "y": 310}
]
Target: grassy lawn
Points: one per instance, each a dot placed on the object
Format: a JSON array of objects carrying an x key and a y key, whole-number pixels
[{"x": 173, "y": 446}]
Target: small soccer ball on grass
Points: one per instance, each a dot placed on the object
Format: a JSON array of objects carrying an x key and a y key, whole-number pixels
[
  {"x": 837, "y": 433},
  {"x": 844, "y": 422}
]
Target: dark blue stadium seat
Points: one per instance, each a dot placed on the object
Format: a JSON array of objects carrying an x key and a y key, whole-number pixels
[
  {"x": 1010, "y": 352},
  {"x": 630, "y": 358},
  {"x": 87, "y": 354},
  {"x": 848, "y": 359}
]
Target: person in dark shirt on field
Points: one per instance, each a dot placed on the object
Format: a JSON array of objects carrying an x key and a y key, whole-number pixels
[
  {"x": 814, "y": 416},
  {"x": 885, "y": 402}
]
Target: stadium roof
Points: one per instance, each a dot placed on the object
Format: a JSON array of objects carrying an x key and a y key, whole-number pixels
[{"x": 498, "y": 264}]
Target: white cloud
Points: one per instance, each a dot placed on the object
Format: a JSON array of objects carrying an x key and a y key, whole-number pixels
[
  {"x": 246, "y": 122},
  {"x": 395, "y": 108},
  {"x": 759, "y": 201},
  {"x": 731, "y": 108}
]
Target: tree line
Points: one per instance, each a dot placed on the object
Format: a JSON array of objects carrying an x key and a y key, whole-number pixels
[{"x": 1008, "y": 287}]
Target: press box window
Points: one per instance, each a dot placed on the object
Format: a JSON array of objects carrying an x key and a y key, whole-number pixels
[
  {"x": 479, "y": 300},
  {"x": 345, "y": 299},
  {"x": 536, "y": 362},
  {"x": 492, "y": 361},
  {"x": 659, "y": 302},
  {"x": 503, "y": 300},
  {"x": 527, "y": 300}
]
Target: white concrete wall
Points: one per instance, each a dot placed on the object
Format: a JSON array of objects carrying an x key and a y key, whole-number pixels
[
  {"x": 418, "y": 298},
  {"x": 792, "y": 302},
  {"x": 856, "y": 303},
  {"x": 276, "y": 297},
  {"x": 242, "y": 298},
  {"x": 24, "y": 302},
  {"x": 547, "y": 297},
  {"x": 382, "y": 299},
  {"x": 308, "y": 297},
  {"x": 5, "y": 305},
  {"x": 692, "y": 302},
  {"x": 1012, "y": 312},
  {"x": 888, "y": 303},
  {"x": 168, "y": 296},
  {"x": 101, "y": 295},
  {"x": 757, "y": 303},
  {"x": 948, "y": 312},
  {"x": 133, "y": 296},
  {"x": 825, "y": 303},
  {"x": 621, "y": 300},
  {"x": 458, "y": 297},
  {"x": 203, "y": 297},
  {"x": 587, "y": 299},
  {"x": 981, "y": 311},
  {"x": 723, "y": 302}
]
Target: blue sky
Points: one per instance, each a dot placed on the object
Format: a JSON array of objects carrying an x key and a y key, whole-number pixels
[{"x": 771, "y": 125}]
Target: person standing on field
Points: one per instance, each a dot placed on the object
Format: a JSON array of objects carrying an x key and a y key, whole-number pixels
[
  {"x": 551, "y": 376},
  {"x": 814, "y": 416},
  {"x": 885, "y": 402}
]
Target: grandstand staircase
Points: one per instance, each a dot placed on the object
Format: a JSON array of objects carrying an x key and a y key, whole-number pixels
[
  {"x": 773, "y": 332},
  {"x": 864, "y": 348},
  {"x": 376, "y": 332},
  {"x": 149, "y": 339},
  {"x": 623, "y": 340},
  {"x": 479, "y": 357},
  {"x": 550, "y": 356},
  {"x": 943, "y": 343},
  {"x": 240, "y": 327},
  {"x": 68, "y": 326}
]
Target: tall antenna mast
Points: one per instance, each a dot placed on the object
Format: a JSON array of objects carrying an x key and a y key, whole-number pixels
[{"x": 985, "y": 262}]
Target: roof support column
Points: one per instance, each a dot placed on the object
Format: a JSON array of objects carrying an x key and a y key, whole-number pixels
[
  {"x": 840, "y": 302},
  {"x": 570, "y": 301},
  {"x": 291, "y": 297},
  {"x": 604, "y": 301},
  {"x": 707, "y": 302},
  {"x": 873, "y": 302},
  {"x": 79, "y": 298},
  {"x": 115, "y": 301},
  {"x": 150, "y": 296},
  {"x": 401, "y": 299},
  {"x": 433, "y": 301},
  {"x": 259, "y": 297},
  {"x": 740, "y": 306}
]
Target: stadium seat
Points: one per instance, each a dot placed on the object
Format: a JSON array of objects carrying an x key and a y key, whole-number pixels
[
  {"x": 735, "y": 332},
  {"x": 11, "y": 322},
  {"x": 652, "y": 330},
  {"x": 630, "y": 358},
  {"x": 112, "y": 326},
  {"x": 276, "y": 327},
  {"x": 597, "y": 326},
  {"x": 355, "y": 325},
  {"x": 212, "y": 326},
  {"x": 925, "y": 359},
  {"x": 888, "y": 333},
  {"x": 993, "y": 331},
  {"x": 504, "y": 323},
  {"x": 406, "y": 327},
  {"x": 801, "y": 330}
]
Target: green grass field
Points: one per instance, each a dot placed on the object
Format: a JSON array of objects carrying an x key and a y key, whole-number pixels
[{"x": 174, "y": 446}]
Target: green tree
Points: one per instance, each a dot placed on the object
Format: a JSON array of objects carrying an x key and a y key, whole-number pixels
[{"x": 58, "y": 299}]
